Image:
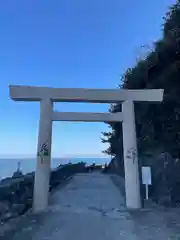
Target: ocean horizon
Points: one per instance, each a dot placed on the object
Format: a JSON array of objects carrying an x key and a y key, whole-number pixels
[{"x": 9, "y": 165}]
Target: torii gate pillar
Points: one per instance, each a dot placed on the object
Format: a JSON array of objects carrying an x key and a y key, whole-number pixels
[
  {"x": 131, "y": 166},
  {"x": 43, "y": 164}
]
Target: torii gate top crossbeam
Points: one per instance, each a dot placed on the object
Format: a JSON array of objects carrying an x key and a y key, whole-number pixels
[{"x": 30, "y": 93}]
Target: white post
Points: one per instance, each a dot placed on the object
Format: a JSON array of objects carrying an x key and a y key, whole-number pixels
[
  {"x": 147, "y": 192},
  {"x": 132, "y": 183},
  {"x": 43, "y": 167}
]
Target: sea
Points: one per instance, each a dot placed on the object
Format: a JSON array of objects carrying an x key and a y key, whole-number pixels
[{"x": 9, "y": 166}]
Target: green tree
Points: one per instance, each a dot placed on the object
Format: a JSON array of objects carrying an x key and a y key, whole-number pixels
[{"x": 158, "y": 125}]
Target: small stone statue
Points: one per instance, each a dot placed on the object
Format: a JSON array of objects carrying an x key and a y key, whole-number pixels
[{"x": 18, "y": 172}]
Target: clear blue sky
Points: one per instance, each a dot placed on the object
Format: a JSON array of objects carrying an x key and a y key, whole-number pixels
[{"x": 68, "y": 43}]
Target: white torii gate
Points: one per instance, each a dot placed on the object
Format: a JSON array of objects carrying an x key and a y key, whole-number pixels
[{"x": 47, "y": 96}]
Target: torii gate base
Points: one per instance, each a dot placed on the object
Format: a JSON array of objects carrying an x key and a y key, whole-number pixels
[{"x": 47, "y": 96}]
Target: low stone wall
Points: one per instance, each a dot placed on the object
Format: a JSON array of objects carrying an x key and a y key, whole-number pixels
[{"x": 16, "y": 194}]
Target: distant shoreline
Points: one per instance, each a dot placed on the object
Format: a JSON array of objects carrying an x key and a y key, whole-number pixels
[
  {"x": 9, "y": 165},
  {"x": 65, "y": 158}
]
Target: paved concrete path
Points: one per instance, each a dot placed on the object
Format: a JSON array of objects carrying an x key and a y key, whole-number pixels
[{"x": 92, "y": 207}]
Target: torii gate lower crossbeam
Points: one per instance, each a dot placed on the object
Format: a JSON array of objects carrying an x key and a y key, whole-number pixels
[{"x": 47, "y": 96}]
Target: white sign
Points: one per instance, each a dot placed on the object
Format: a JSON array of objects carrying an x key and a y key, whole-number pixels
[{"x": 146, "y": 175}]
